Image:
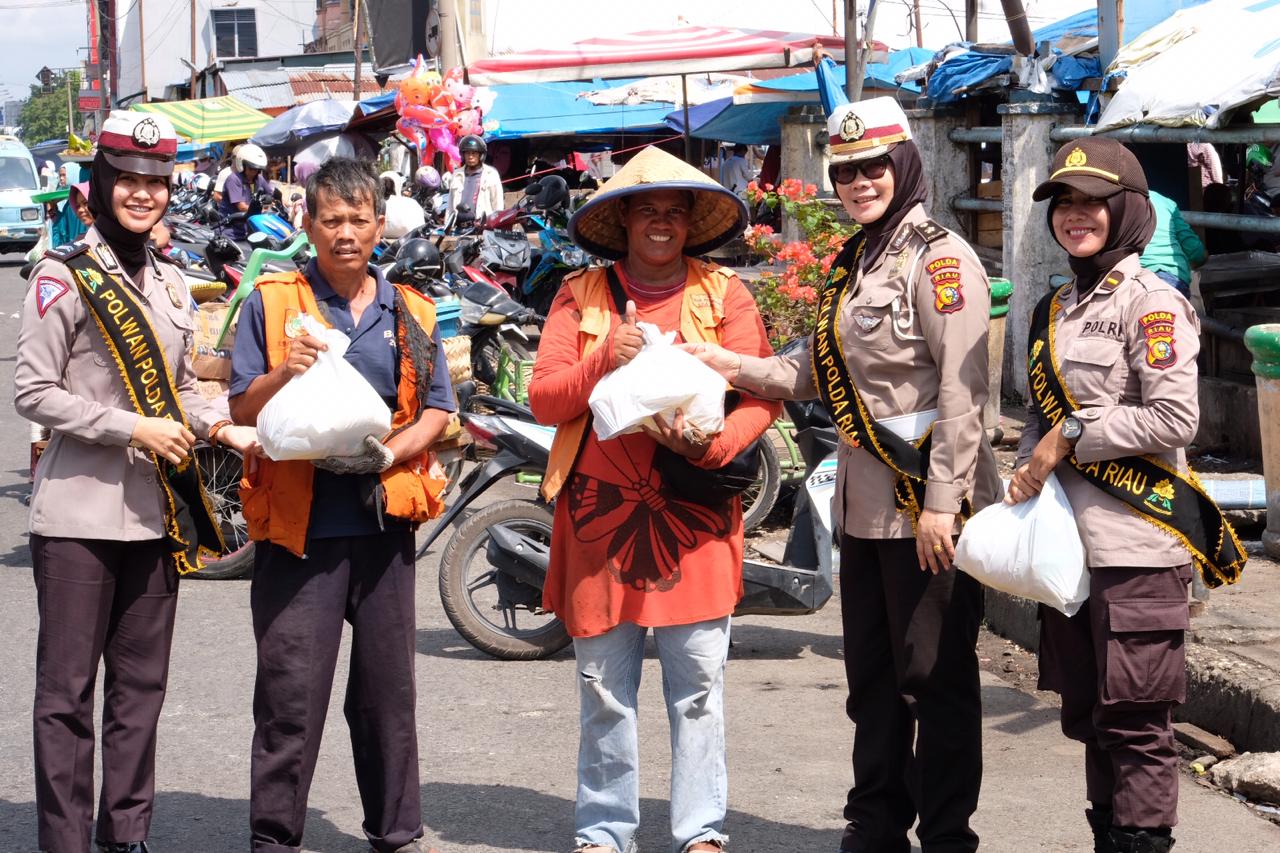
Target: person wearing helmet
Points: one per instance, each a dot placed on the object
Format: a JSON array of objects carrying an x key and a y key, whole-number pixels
[
  {"x": 224, "y": 171},
  {"x": 427, "y": 178},
  {"x": 474, "y": 186},
  {"x": 103, "y": 363},
  {"x": 243, "y": 186}
]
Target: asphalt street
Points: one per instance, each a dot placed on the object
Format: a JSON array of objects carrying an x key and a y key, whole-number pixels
[{"x": 499, "y": 740}]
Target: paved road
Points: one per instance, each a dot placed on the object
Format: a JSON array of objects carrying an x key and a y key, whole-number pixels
[{"x": 499, "y": 739}]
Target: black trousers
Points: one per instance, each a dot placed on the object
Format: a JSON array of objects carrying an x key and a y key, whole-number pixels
[
  {"x": 914, "y": 699},
  {"x": 1120, "y": 665},
  {"x": 298, "y": 608},
  {"x": 115, "y": 602}
]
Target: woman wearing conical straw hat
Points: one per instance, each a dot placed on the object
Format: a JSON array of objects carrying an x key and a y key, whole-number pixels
[
  {"x": 631, "y": 549},
  {"x": 899, "y": 357}
]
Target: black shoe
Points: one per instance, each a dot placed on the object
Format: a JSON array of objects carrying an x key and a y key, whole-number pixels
[
  {"x": 123, "y": 847},
  {"x": 1099, "y": 819},
  {"x": 1140, "y": 841}
]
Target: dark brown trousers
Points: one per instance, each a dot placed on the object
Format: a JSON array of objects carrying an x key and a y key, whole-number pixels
[
  {"x": 914, "y": 699},
  {"x": 298, "y": 607},
  {"x": 1120, "y": 667},
  {"x": 114, "y": 602}
]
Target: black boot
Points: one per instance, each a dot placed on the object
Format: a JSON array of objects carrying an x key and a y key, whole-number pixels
[
  {"x": 1099, "y": 818},
  {"x": 123, "y": 847},
  {"x": 1141, "y": 841}
]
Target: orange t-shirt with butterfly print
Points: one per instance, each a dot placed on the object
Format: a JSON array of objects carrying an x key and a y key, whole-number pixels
[{"x": 623, "y": 547}]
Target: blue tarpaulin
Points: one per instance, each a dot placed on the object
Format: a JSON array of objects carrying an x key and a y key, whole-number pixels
[
  {"x": 970, "y": 69},
  {"x": 547, "y": 109},
  {"x": 879, "y": 74}
]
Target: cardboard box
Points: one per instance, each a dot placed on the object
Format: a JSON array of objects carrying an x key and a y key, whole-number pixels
[{"x": 209, "y": 361}]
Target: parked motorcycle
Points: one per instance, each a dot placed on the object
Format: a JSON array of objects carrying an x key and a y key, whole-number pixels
[{"x": 495, "y": 564}]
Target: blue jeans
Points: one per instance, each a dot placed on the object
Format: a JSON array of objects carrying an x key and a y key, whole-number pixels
[
  {"x": 1176, "y": 283},
  {"x": 608, "y": 806}
]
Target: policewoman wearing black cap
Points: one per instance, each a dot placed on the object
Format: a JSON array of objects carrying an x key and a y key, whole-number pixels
[
  {"x": 1113, "y": 379},
  {"x": 899, "y": 358},
  {"x": 117, "y": 511}
]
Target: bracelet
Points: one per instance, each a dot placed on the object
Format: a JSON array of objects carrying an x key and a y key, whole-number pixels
[{"x": 215, "y": 429}]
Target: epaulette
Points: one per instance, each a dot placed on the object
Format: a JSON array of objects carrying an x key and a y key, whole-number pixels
[
  {"x": 930, "y": 231},
  {"x": 161, "y": 256},
  {"x": 899, "y": 241},
  {"x": 1113, "y": 280},
  {"x": 66, "y": 252}
]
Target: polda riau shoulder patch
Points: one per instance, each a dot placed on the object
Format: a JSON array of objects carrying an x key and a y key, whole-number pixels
[
  {"x": 948, "y": 293},
  {"x": 48, "y": 291},
  {"x": 1157, "y": 327}
]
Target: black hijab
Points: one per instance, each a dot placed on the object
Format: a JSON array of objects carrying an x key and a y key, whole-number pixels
[
  {"x": 909, "y": 189},
  {"x": 129, "y": 246},
  {"x": 1133, "y": 221}
]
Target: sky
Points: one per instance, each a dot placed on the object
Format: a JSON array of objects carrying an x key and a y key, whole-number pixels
[{"x": 34, "y": 33}]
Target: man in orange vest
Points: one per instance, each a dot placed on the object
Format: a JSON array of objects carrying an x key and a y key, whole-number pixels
[{"x": 335, "y": 536}]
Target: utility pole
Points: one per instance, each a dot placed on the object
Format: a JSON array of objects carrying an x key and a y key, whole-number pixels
[
  {"x": 850, "y": 46},
  {"x": 355, "y": 86},
  {"x": 864, "y": 53},
  {"x": 834, "y": 30},
  {"x": 193, "y": 50},
  {"x": 142, "y": 53},
  {"x": 971, "y": 20},
  {"x": 70, "y": 122},
  {"x": 915, "y": 8}
]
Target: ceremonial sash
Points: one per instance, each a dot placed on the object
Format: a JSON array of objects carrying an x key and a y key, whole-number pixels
[
  {"x": 910, "y": 461},
  {"x": 190, "y": 527},
  {"x": 1150, "y": 488}
]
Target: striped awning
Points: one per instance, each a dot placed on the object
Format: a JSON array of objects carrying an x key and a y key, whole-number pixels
[
  {"x": 210, "y": 119},
  {"x": 684, "y": 50}
]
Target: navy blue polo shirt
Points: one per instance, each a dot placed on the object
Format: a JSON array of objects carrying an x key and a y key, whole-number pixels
[{"x": 340, "y": 503}]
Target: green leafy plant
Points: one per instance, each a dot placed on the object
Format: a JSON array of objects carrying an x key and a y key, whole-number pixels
[{"x": 787, "y": 298}]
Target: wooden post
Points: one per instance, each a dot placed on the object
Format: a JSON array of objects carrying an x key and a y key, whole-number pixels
[
  {"x": 142, "y": 52},
  {"x": 864, "y": 54},
  {"x": 915, "y": 8},
  {"x": 70, "y": 112},
  {"x": 688, "y": 136},
  {"x": 355, "y": 85},
  {"x": 850, "y": 44}
]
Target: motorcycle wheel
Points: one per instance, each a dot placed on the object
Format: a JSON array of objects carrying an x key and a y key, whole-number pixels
[
  {"x": 758, "y": 500},
  {"x": 469, "y": 587},
  {"x": 221, "y": 468}
]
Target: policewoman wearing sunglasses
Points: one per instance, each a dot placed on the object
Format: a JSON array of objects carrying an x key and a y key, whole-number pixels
[
  {"x": 899, "y": 357},
  {"x": 1113, "y": 378},
  {"x": 116, "y": 512}
]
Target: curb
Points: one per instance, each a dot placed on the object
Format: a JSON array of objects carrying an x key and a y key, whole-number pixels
[{"x": 1228, "y": 695}]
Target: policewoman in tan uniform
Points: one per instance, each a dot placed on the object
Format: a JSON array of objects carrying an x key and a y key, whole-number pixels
[
  {"x": 900, "y": 359},
  {"x": 116, "y": 511},
  {"x": 1113, "y": 406}
]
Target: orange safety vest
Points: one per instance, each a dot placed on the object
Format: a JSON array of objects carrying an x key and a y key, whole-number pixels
[
  {"x": 701, "y": 314},
  {"x": 277, "y": 496}
]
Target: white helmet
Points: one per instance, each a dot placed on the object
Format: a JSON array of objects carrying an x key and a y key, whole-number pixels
[
  {"x": 250, "y": 155},
  {"x": 397, "y": 179}
]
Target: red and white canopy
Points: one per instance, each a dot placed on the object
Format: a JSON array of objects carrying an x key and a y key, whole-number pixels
[{"x": 686, "y": 50}]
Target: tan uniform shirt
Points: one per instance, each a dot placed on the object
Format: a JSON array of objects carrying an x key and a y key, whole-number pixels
[
  {"x": 911, "y": 345},
  {"x": 1135, "y": 398},
  {"x": 89, "y": 483}
]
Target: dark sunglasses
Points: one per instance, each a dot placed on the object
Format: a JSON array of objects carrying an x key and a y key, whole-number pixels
[{"x": 873, "y": 169}]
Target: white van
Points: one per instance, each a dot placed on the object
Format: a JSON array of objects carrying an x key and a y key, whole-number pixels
[{"x": 20, "y": 218}]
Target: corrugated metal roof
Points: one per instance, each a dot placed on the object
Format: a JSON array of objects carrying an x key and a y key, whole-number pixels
[{"x": 274, "y": 89}]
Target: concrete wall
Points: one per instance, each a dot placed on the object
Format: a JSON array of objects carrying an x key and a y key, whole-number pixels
[
  {"x": 283, "y": 26},
  {"x": 804, "y": 155},
  {"x": 946, "y": 163},
  {"x": 1030, "y": 253}
]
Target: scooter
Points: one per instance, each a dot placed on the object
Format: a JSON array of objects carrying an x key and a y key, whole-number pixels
[{"x": 494, "y": 566}]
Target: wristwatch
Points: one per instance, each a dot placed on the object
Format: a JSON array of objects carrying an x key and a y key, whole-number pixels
[{"x": 1072, "y": 429}]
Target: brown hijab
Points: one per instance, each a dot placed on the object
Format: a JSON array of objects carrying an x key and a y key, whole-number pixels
[{"x": 1133, "y": 221}]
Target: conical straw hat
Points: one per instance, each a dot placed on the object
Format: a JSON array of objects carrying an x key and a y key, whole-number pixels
[{"x": 717, "y": 216}]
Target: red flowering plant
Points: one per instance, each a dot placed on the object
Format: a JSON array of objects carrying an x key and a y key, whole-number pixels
[{"x": 788, "y": 294}]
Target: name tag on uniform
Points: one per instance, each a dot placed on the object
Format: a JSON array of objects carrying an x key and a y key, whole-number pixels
[{"x": 1110, "y": 329}]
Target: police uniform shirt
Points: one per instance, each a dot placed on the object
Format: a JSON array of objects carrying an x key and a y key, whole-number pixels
[{"x": 339, "y": 503}]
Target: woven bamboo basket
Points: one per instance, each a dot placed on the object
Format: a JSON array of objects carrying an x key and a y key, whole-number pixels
[{"x": 458, "y": 352}]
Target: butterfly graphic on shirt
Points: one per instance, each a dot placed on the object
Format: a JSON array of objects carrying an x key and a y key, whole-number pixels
[{"x": 647, "y": 527}]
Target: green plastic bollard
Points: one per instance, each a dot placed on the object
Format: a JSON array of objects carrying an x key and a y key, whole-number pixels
[
  {"x": 251, "y": 273},
  {"x": 1263, "y": 343},
  {"x": 1001, "y": 290}
]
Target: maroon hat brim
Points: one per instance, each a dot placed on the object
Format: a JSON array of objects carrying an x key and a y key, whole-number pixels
[{"x": 1091, "y": 185}]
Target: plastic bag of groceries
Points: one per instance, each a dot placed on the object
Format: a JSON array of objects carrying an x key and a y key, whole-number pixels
[
  {"x": 659, "y": 380},
  {"x": 1031, "y": 549},
  {"x": 326, "y": 411}
]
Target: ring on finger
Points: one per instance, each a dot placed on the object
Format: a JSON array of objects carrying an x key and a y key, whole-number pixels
[{"x": 937, "y": 548}]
